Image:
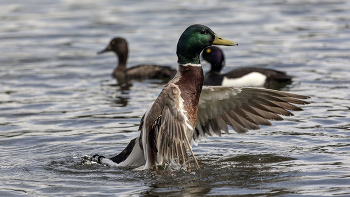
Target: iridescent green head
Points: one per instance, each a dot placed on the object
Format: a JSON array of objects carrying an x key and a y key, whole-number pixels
[{"x": 194, "y": 39}]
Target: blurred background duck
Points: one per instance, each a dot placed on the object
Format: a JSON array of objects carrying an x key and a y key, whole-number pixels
[
  {"x": 241, "y": 77},
  {"x": 149, "y": 71}
]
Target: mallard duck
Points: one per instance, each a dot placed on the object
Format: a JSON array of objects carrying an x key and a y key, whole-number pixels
[
  {"x": 149, "y": 71},
  {"x": 185, "y": 110},
  {"x": 241, "y": 77}
]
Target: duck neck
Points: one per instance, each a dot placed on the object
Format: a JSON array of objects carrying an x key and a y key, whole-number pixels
[
  {"x": 185, "y": 59},
  {"x": 215, "y": 68},
  {"x": 121, "y": 66},
  {"x": 122, "y": 58}
]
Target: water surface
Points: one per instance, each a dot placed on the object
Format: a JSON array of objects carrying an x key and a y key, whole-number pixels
[{"x": 59, "y": 103}]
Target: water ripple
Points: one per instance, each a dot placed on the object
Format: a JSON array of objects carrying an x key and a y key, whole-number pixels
[{"x": 58, "y": 102}]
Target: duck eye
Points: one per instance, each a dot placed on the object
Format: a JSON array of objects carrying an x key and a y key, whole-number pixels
[{"x": 203, "y": 31}]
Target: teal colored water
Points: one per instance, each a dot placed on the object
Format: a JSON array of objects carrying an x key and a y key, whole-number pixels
[{"x": 58, "y": 101}]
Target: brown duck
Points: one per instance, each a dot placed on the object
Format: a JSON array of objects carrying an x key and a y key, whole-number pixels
[
  {"x": 185, "y": 110},
  {"x": 149, "y": 71}
]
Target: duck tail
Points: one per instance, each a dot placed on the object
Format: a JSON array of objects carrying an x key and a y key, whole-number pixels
[{"x": 132, "y": 155}]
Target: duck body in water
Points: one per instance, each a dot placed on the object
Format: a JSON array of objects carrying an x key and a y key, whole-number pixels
[
  {"x": 241, "y": 77},
  {"x": 149, "y": 71},
  {"x": 185, "y": 110}
]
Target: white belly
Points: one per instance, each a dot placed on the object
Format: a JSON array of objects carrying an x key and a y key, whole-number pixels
[{"x": 252, "y": 79}]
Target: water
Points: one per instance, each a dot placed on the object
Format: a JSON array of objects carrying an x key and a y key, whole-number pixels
[{"x": 59, "y": 103}]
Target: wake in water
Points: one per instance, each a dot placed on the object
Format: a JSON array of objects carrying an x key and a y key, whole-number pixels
[{"x": 169, "y": 169}]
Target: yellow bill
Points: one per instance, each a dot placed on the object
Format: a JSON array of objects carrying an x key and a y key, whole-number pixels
[{"x": 220, "y": 41}]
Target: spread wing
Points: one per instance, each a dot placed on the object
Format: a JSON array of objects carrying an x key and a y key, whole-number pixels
[
  {"x": 166, "y": 124},
  {"x": 241, "y": 108}
]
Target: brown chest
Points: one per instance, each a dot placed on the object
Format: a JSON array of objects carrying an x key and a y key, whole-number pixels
[{"x": 190, "y": 83}]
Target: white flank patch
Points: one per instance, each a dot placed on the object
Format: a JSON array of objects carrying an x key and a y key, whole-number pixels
[
  {"x": 189, "y": 64},
  {"x": 136, "y": 157},
  {"x": 252, "y": 79},
  {"x": 144, "y": 142},
  {"x": 184, "y": 113}
]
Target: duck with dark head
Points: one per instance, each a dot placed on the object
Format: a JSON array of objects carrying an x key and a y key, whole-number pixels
[
  {"x": 149, "y": 71},
  {"x": 185, "y": 111},
  {"x": 241, "y": 77}
]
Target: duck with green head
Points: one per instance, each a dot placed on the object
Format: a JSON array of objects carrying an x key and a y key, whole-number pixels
[{"x": 185, "y": 110}]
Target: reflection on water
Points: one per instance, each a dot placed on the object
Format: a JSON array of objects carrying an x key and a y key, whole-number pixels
[
  {"x": 59, "y": 103},
  {"x": 117, "y": 92}
]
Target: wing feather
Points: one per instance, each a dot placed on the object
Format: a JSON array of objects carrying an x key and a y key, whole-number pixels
[
  {"x": 243, "y": 120},
  {"x": 283, "y": 102},
  {"x": 258, "y": 118},
  {"x": 233, "y": 123},
  {"x": 171, "y": 133},
  {"x": 242, "y": 108},
  {"x": 222, "y": 124}
]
